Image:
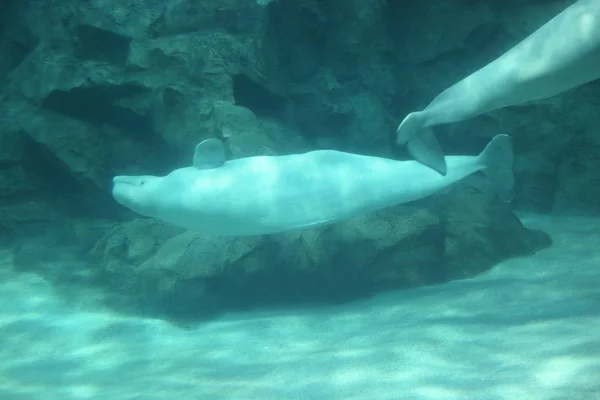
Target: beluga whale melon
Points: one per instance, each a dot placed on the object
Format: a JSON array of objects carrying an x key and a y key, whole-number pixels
[
  {"x": 562, "y": 54},
  {"x": 272, "y": 194}
]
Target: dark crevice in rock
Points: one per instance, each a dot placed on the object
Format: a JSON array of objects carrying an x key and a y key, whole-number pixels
[
  {"x": 257, "y": 98},
  {"x": 105, "y": 105},
  {"x": 93, "y": 43},
  {"x": 16, "y": 42},
  {"x": 96, "y": 105},
  {"x": 15, "y": 52},
  {"x": 295, "y": 39},
  {"x": 157, "y": 28},
  {"x": 56, "y": 183}
]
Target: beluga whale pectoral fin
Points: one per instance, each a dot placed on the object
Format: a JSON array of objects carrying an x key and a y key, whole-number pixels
[
  {"x": 421, "y": 143},
  {"x": 209, "y": 154}
]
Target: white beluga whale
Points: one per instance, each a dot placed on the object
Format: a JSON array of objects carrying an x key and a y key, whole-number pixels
[
  {"x": 273, "y": 194},
  {"x": 562, "y": 54}
]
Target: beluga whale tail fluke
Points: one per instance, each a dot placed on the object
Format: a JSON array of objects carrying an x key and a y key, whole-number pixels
[
  {"x": 497, "y": 160},
  {"x": 420, "y": 142}
]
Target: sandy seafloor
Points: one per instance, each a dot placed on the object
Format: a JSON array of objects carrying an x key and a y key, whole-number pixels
[{"x": 528, "y": 329}]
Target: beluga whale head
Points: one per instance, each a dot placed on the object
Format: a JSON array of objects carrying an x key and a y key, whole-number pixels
[
  {"x": 187, "y": 197},
  {"x": 137, "y": 192}
]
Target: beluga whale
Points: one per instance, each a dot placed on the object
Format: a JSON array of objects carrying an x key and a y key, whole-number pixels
[
  {"x": 273, "y": 194},
  {"x": 562, "y": 54}
]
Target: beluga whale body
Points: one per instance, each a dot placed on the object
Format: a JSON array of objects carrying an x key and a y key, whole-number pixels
[
  {"x": 272, "y": 194},
  {"x": 562, "y": 54}
]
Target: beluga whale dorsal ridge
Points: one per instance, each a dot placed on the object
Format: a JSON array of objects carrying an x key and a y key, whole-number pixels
[
  {"x": 209, "y": 154},
  {"x": 562, "y": 54},
  {"x": 273, "y": 194}
]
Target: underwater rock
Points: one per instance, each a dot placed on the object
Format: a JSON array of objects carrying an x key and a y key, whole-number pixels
[{"x": 482, "y": 231}]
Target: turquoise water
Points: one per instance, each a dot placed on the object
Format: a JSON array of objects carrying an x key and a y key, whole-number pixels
[{"x": 527, "y": 329}]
